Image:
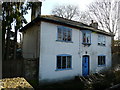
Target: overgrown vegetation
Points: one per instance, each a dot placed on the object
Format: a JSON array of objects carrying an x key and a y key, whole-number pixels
[
  {"x": 110, "y": 79},
  {"x": 100, "y": 81}
]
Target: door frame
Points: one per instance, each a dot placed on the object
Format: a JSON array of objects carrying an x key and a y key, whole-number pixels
[{"x": 88, "y": 63}]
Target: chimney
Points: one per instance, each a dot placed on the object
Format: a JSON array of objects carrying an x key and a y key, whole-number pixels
[
  {"x": 36, "y": 10},
  {"x": 94, "y": 24}
]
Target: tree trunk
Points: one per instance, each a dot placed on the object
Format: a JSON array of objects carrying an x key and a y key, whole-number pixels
[
  {"x": 15, "y": 44},
  {"x": 112, "y": 44},
  {"x": 7, "y": 45},
  {"x": 3, "y": 36}
]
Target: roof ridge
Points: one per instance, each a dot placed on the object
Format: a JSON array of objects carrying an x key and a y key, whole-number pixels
[{"x": 65, "y": 19}]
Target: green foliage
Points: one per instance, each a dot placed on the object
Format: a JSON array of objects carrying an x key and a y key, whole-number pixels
[{"x": 12, "y": 12}]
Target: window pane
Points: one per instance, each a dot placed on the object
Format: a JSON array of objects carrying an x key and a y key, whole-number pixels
[
  {"x": 68, "y": 61},
  {"x": 103, "y": 59},
  {"x": 87, "y": 37},
  {"x": 99, "y": 42},
  {"x": 59, "y": 34},
  {"x": 104, "y": 40},
  {"x": 98, "y": 60},
  {"x": 69, "y": 35},
  {"x": 63, "y": 62},
  {"x": 64, "y": 35},
  {"x": 58, "y": 62},
  {"x": 84, "y": 38}
]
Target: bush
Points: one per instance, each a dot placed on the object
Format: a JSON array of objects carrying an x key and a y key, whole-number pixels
[
  {"x": 100, "y": 85},
  {"x": 117, "y": 77}
]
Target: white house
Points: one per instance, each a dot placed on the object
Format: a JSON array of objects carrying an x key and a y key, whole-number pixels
[{"x": 65, "y": 48}]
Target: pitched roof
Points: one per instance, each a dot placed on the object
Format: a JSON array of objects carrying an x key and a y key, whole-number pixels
[{"x": 63, "y": 21}]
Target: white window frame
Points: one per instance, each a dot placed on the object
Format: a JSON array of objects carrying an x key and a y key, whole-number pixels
[{"x": 101, "y": 40}]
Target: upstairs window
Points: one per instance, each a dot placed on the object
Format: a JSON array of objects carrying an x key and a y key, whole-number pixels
[
  {"x": 86, "y": 37},
  {"x": 101, "y": 60},
  {"x": 64, "y": 34},
  {"x": 64, "y": 61},
  {"x": 101, "y": 40}
]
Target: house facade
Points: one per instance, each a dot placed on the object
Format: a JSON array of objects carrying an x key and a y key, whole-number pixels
[{"x": 65, "y": 48}]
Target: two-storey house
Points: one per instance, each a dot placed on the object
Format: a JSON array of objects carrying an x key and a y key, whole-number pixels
[{"x": 65, "y": 48}]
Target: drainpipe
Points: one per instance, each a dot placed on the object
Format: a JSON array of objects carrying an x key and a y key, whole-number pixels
[{"x": 36, "y": 12}]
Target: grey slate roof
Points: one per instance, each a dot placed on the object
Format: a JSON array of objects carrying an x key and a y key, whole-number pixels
[{"x": 63, "y": 21}]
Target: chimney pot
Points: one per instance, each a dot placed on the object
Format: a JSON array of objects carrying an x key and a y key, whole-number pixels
[{"x": 94, "y": 24}]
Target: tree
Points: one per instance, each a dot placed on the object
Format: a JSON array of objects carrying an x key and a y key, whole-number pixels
[
  {"x": 0, "y": 41},
  {"x": 105, "y": 12},
  {"x": 66, "y": 11},
  {"x": 85, "y": 17},
  {"x": 12, "y": 12}
]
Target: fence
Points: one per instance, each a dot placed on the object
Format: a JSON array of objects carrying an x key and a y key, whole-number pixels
[
  {"x": 27, "y": 68},
  {"x": 116, "y": 53},
  {"x": 115, "y": 59},
  {"x": 12, "y": 68}
]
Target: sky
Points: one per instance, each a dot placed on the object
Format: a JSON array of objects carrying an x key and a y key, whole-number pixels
[{"x": 48, "y": 5}]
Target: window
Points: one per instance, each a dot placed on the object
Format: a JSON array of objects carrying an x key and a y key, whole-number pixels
[
  {"x": 64, "y": 34},
  {"x": 64, "y": 61},
  {"x": 101, "y": 60},
  {"x": 86, "y": 37},
  {"x": 101, "y": 40}
]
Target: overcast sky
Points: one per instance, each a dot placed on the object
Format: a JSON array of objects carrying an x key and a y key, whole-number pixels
[{"x": 48, "y": 5}]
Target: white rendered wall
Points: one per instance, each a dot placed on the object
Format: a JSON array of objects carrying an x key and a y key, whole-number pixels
[
  {"x": 94, "y": 50},
  {"x": 30, "y": 42},
  {"x": 49, "y": 48}
]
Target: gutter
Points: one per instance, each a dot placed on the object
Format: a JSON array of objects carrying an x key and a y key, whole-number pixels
[{"x": 64, "y": 23}]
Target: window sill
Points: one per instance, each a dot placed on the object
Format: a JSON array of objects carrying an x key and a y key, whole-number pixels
[
  {"x": 63, "y": 69},
  {"x": 101, "y": 44},
  {"x": 64, "y": 41},
  {"x": 86, "y": 43},
  {"x": 101, "y": 65}
]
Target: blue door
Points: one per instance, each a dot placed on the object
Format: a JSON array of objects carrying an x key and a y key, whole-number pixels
[{"x": 85, "y": 65}]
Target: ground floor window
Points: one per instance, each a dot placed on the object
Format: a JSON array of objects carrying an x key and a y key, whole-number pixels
[
  {"x": 64, "y": 61},
  {"x": 101, "y": 60}
]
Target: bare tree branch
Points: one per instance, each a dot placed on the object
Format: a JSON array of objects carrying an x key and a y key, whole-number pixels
[
  {"x": 66, "y": 11},
  {"x": 105, "y": 12}
]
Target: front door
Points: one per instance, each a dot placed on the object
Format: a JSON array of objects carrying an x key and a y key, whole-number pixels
[{"x": 85, "y": 65}]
